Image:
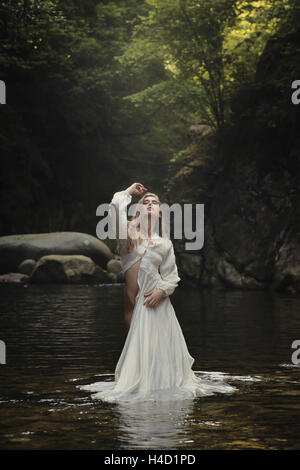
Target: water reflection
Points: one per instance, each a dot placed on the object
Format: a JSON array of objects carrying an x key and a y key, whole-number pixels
[
  {"x": 59, "y": 336},
  {"x": 153, "y": 425}
]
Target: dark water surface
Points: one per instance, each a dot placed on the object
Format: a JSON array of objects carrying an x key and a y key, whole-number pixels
[{"x": 58, "y": 336}]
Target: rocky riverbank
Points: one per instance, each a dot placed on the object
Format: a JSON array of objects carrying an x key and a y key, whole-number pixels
[{"x": 58, "y": 257}]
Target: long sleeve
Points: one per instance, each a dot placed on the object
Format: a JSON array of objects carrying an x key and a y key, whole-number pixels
[
  {"x": 168, "y": 272},
  {"x": 120, "y": 201}
]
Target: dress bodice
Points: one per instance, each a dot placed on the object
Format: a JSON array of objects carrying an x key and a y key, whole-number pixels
[{"x": 128, "y": 259}]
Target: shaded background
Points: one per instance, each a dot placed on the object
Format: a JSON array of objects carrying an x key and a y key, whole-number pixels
[{"x": 191, "y": 98}]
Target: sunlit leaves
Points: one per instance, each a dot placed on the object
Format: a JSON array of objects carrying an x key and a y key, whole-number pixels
[{"x": 212, "y": 45}]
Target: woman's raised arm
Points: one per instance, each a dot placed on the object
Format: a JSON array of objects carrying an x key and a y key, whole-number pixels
[
  {"x": 120, "y": 201},
  {"x": 118, "y": 212}
]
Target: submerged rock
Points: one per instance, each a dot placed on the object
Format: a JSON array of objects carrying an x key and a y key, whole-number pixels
[
  {"x": 68, "y": 269},
  {"x": 13, "y": 277}
]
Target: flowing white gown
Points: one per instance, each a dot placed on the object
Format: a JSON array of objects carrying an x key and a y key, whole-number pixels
[{"x": 155, "y": 363}]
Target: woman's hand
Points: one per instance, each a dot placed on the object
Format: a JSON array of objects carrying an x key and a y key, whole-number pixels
[
  {"x": 136, "y": 188},
  {"x": 154, "y": 297}
]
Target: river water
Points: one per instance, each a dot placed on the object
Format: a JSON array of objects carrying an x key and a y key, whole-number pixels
[{"x": 59, "y": 336}]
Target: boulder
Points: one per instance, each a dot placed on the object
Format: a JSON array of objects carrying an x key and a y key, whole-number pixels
[
  {"x": 114, "y": 266},
  {"x": 26, "y": 267},
  {"x": 16, "y": 248},
  {"x": 69, "y": 269}
]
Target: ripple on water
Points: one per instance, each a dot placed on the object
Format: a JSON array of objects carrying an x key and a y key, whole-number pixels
[{"x": 58, "y": 336}]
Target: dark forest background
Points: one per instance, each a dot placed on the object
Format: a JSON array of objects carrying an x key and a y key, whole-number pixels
[
  {"x": 191, "y": 98},
  {"x": 102, "y": 93}
]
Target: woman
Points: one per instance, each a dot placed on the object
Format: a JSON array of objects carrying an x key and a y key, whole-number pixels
[
  {"x": 131, "y": 260},
  {"x": 155, "y": 363}
]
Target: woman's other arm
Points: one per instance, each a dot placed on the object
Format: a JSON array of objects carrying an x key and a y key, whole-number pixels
[{"x": 168, "y": 272}]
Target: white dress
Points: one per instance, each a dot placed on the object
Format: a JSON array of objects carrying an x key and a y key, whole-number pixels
[{"x": 155, "y": 363}]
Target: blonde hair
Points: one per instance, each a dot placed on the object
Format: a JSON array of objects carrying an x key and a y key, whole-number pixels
[{"x": 131, "y": 242}]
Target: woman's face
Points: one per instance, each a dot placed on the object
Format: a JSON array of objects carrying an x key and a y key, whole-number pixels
[{"x": 150, "y": 206}]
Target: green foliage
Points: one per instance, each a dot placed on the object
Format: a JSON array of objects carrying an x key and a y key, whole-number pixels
[
  {"x": 102, "y": 92},
  {"x": 209, "y": 48}
]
